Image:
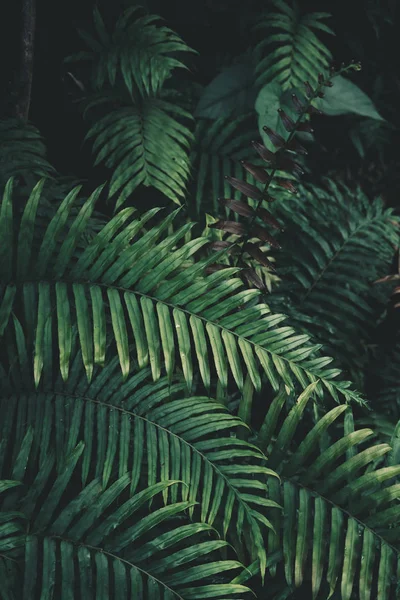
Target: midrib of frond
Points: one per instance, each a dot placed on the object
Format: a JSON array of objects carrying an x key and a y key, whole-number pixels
[
  {"x": 109, "y": 555},
  {"x": 364, "y": 225},
  {"x": 345, "y": 511},
  {"x": 83, "y": 398},
  {"x": 254, "y": 345}
]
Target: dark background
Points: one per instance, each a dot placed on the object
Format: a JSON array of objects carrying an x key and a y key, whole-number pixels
[{"x": 213, "y": 27}]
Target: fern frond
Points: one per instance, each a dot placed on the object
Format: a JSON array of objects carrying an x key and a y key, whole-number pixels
[
  {"x": 149, "y": 431},
  {"x": 340, "y": 528},
  {"x": 22, "y": 152},
  {"x": 144, "y": 144},
  {"x": 330, "y": 234},
  {"x": 298, "y": 54},
  {"x": 139, "y": 50},
  {"x": 218, "y": 148},
  {"x": 101, "y": 541},
  {"x": 153, "y": 288}
]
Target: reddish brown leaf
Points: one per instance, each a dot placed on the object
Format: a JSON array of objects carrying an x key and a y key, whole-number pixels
[
  {"x": 321, "y": 95},
  {"x": 387, "y": 278},
  {"x": 230, "y": 227},
  {"x": 246, "y": 188},
  {"x": 288, "y": 185},
  {"x": 258, "y": 172},
  {"x": 223, "y": 245},
  {"x": 298, "y": 105},
  {"x": 305, "y": 127},
  {"x": 266, "y": 216},
  {"x": 265, "y": 154},
  {"x": 287, "y": 164},
  {"x": 237, "y": 206},
  {"x": 253, "y": 279},
  {"x": 309, "y": 90},
  {"x": 288, "y": 123},
  {"x": 256, "y": 253},
  {"x": 275, "y": 138},
  {"x": 314, "y": 111},
  {"x": 264, "y": 236},
  {"x": 321, "y": 78},
  {"x": 214, "y": 268},
  {"x": 295, "y": 146}
]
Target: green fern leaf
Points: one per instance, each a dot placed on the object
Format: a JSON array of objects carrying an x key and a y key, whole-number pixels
[
  {"x": 139, "y": 50},
  {"x": 148, "y": 273},
  {"x": 144, "y": 145},
  {"x": 300, "y": 55}
]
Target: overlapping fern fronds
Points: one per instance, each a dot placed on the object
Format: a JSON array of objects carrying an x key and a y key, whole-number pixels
[
  {"x": 218, "y": 148},
  {"x": 336, "y": 244},
  {"x": 150, "y": 285},
  {"x": 148, "y": 430},
  {"x": 297, "y": 54},
  {"x": 139, "y": 50},
  {"x": 339, "y": 529},
  {"x": 61, "y": 542}
]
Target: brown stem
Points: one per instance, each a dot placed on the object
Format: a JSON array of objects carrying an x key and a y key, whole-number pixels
[{"x": 26, "y": 59}]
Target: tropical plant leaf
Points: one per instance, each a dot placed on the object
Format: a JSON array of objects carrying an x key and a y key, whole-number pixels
[
  {"x": 149, "y": 431},
  {"x": 139, "y": 51},
  {"x": 146, "y": 145},
  {"x": 297, "y": 55},
  {"x": 101, "y": 542},
  {"x": 329, "y": 232},
  {"x": 22, "y": 152},
  {"x": 212, "y": 312},
  {"x": 338, "y": 502},
  {"x": 345, "y": 97}
]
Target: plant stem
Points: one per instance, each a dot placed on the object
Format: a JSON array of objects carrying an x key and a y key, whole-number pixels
[{"x": 26, "y": 59}]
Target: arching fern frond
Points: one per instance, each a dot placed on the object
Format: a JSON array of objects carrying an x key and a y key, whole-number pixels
[
  {"x": 335, "y": 245},
  {"x": 339, "y": 529},
  {"x": 101, "y": 541},
  {"x": 144, "y": 144},
  {"x": 140, "y": 51},
  {"x": 153, "y": 289},
  {"x": 298, "y": 55},
  {"x": 22, "y": 152},
  {"x": 148, "y": 430}
]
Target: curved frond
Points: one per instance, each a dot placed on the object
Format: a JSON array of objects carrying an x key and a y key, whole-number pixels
[
  {"x": 144, "y": 144},
  {"x": 339, "y": 529},
  {"x": 155, "y": 295},
  {"x": 139, "y": 50},
  {"x": 101, "y": 542},
  {"x": 297, "y": 55},
  {"x": 337, "y": 242},
  {"x": 149, "y": 431}
]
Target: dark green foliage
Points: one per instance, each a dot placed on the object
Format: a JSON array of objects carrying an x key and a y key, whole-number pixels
[
  {"x": 336, "y": 244},
  {"x": 167, "y": 428}
]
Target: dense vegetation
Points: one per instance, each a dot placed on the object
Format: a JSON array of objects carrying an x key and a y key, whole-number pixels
[{"x": 199, "y": 360}]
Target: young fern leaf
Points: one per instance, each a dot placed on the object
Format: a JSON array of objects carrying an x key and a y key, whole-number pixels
[
  {"x": 100, "y": 541},
  {"x": 298, "y": 55},
  {"x": 139, "y": 51},
  {"x": 169, "y": 305}
]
